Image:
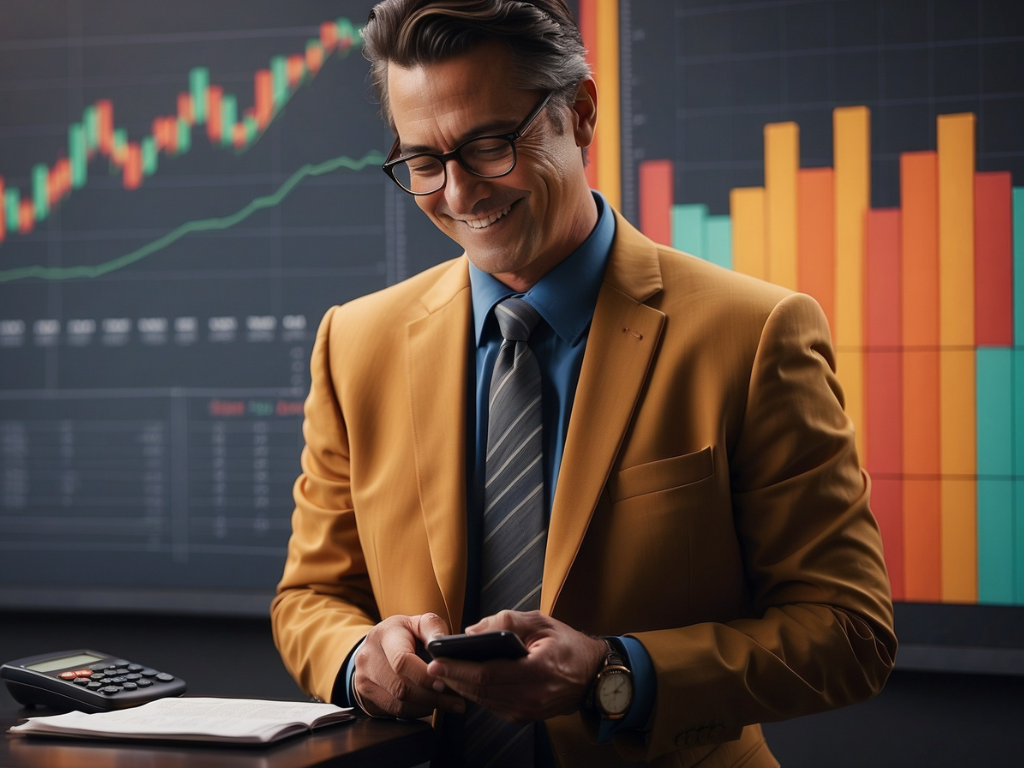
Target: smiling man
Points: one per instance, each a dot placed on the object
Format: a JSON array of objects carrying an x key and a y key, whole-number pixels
[{"x": 633, "y": 460}]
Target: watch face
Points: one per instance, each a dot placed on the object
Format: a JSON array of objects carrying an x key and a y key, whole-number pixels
[{"x": 615, "y": 692}]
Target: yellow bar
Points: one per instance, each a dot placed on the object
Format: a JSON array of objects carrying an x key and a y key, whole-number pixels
[
  {"x": 781, "y": 162},
  {"x": 609, "y": 148},
  {"x": 958, "y": 449},
  {"x": 852, "y": 155},
  {"x": 746, "y": 207}
]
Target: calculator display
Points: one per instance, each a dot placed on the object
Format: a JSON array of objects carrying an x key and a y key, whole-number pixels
[{"x": 66, "y": 661}]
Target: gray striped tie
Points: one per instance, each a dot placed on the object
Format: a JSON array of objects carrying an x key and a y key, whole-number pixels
[{"x": 514, "y": 524}]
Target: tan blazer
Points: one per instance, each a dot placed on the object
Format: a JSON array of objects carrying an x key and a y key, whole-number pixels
[{"x": 709, "y": 501}]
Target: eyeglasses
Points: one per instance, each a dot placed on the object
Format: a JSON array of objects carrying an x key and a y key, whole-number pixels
[{"x": 489, "y": 157}]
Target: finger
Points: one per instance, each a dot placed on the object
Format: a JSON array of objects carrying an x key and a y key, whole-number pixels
[{"x": 430, "y": 625}]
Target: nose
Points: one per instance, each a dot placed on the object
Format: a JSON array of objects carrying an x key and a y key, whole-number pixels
[{"x": 463, "y": 190}]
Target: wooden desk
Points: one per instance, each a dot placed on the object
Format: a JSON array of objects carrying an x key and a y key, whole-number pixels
[{"x": 362, "y": 743}]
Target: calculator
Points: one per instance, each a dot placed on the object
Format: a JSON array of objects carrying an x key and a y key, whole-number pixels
[{"x": 88, "y": 681}]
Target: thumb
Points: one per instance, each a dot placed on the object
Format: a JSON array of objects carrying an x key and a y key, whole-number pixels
[{"x": 430, "y": 625}]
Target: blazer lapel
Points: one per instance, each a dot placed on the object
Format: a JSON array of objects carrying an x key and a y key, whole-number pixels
[
  {"x": 623, "y": 338},
  {"x": 437, "y": 380}
]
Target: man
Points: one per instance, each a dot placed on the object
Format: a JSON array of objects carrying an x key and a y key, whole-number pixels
[{"x": 705, "y": 541}]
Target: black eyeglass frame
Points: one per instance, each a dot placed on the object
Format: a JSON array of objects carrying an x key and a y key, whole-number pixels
[{"x": 456, "y": 154}]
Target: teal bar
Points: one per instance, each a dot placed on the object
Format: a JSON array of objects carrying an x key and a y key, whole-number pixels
[
  {"x": 229, "y": 116},
  {"x": 92, "y": 134},
  {"x": 120, "y": 139},
  {"x": 12, "y": 201},
  {"x": 719, "y": 237},
  {"x": 149, "y": 156},
  {"x": 251, "y": 129},
  {"x": 39, "y": 197},
  {"x": 688, "y": 228},
  {"x": 184, "y": 136},
  {"x": 198, "y": 83},
  {"x": 279, "y": 80},
  {"x": 1018, "y": 267},
  {"x": 77, "y": 155},
  {"x": 994, "y": 402}
]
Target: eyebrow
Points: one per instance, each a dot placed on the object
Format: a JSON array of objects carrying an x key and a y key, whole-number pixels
[{"x": 495, "y": 127}]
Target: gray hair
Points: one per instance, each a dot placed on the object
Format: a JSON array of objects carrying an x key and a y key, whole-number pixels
[{"x": 546, "y": 45}]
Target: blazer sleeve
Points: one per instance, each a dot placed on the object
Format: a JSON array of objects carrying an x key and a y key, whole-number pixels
[
  {"x": 324, "y": 604},
  {"x": 820, "y": 629}
]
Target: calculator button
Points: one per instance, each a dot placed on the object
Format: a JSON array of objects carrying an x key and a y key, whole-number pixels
[
  {"x": 134, "y": 667},
  {"x": 143, "y": 683},
  {"x": 82, "y": 681},
  {"x": 116, "y": 680},
  {"x": 98, "y": 676},
  {"x": 110, "y": 670},
  {"x": 68, "y": 675},
  {"x": 133, "y": 676},
  {"x": 92, "y": 686},
  {"x": 130, "y": 686},
  {"x": 163, "y": 677},
  {"x": 109, "y": 689},
  {"x": 120, "y": 662},
  {"x": 149, "y": 672}
]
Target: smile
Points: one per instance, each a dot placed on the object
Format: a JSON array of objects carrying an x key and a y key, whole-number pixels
[{"x": 486, "y": 222}]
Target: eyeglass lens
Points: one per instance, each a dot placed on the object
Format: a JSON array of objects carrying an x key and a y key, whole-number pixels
[{"x": 487, "y": 156}]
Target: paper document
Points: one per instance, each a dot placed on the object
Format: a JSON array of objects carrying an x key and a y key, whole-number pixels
[{"x": 239, "y": 721}]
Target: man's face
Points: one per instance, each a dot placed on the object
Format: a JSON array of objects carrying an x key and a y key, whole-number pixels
[{"x": 519, "y": 226}]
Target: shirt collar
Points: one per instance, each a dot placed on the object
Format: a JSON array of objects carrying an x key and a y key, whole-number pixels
[{"x": 565, "y": 296}]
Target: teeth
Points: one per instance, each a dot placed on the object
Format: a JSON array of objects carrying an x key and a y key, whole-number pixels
[{"x": 484, "y": 223}]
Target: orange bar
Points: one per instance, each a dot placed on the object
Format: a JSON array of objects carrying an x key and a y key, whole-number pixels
[
  {"x": 781, "y": 162},
  {"x": 922, "y": 523},
  {"x": 133, "y": 167},
  {"x": 746, "y": 206},
  {"x": 883, "y": 384},
  {"x": 587, "y": 19},
  {"x": 214, "y": 116},
  {"x": 852, "y": 151},
  {"x": 816, "y": 238},
  {"x": 656, "y": 196},
  {"x": 238, "y": 135},
  {"x": 296, "y": 69},
  {"x": 26, "y": 217},
  {"x": 64, "y": 166},
  {"x": 993, "y": 262},
  {"x": 52, "y": 182},
  {"x": 264, "y": 98},
  {"x": 186, "y": 109},
  {"x": 609, "y": 167},
  {"x": 329, "y": 35},
  {"x": 957, "y": 413},
  {"x": 105, "y": 126}
]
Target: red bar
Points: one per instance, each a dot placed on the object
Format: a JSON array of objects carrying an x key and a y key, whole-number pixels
[
  {"x": 883, "y": 383},
  {"x": 264, "y": 98},
  {"x": 587, "y": 18},
  {"x": 26, "y": 216},
  {"x": 329, "y": 35},
  {"x": 171, "y": 127},
  {"x": 993, "y": 259},
  {"x": 186, "y": 109},
  {"x": 133, "y": 167},
  {"x": 314, "y": 58},
  {"x": 656, "y": 196},
  {"x": 52, "y": 182},
  {"x": 105, "y": 126},
  {"x": 296, "y": 69},
  {"x": 214, "y": 118},
  {"x": 816, "y": 238}
]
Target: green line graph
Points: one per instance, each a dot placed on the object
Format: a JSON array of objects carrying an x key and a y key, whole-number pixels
[{"x": 192, "y": 227}]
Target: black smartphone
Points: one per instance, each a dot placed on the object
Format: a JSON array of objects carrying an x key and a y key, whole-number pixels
[{"x": 482, "y": 647}]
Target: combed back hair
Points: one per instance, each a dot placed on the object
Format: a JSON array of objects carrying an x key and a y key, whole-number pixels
[{"x": 546, "y": 45}]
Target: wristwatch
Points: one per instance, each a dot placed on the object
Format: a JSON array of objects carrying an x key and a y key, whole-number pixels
[{"x": 612, "y": 690}]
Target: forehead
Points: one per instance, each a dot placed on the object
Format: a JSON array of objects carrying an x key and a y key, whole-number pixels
[{"x": 436, "y": 104}]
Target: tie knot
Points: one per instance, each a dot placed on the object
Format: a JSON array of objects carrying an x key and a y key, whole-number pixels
[{"x": 516, "y": 318}]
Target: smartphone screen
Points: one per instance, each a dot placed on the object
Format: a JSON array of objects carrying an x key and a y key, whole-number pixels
[{"x": 482, "y": 647}]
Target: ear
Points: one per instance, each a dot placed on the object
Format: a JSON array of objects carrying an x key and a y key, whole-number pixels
[{"x": 584, "y": 111}]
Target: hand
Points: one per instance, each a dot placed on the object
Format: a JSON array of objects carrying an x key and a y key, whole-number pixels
[
  {"x": 390, "y": 679},
  {"x": 552, "y": 679}
]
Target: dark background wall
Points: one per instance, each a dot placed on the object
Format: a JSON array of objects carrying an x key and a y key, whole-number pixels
[{"x": 920, "y": 719}]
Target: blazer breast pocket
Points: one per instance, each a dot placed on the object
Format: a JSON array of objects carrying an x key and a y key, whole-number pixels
[{"x": 661, "y": 475}]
